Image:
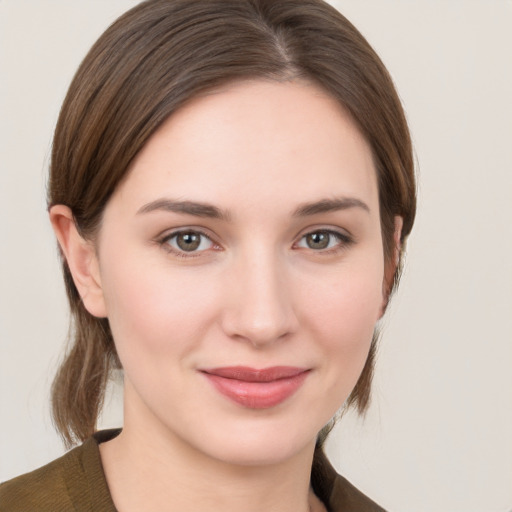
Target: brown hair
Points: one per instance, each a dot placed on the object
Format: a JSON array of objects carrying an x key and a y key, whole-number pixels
[{"x": 151, "y": 61}]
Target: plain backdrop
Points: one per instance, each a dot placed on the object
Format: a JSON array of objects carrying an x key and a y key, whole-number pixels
[{"x": 438, "y": 436}]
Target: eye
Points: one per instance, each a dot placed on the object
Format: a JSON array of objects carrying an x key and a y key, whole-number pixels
[
  {"x": 188, "y": 241},
  {"x": 323, "y": 239}
]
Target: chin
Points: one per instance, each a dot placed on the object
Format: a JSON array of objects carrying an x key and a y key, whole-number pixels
[
  {"x": 264, "y": 453},
  {"x": 259, "y": 443}
]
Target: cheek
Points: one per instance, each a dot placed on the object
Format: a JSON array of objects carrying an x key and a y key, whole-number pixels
[
  {"x": 342, "y": 317},
  {"x": 153, "y": 311},
  {"x": 347, "y": 302}
]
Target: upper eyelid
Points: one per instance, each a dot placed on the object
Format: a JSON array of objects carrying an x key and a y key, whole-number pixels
[
  {"x": 335, "y": 231},
  {"x": 343, "y": 233},
  {"x": 170, "y": 233}
]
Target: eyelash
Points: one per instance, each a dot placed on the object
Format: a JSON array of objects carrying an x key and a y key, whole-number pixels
[
  {"x": 343, "y": 242},
  {"x": 164, "y": 242}
]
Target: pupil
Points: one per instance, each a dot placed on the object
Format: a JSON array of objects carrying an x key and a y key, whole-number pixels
[
  {"x": 318, "y": 240},
  {"x": 188, "y": 241}
]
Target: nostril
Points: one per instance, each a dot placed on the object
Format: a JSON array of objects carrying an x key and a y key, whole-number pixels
[{"x": 259, "y": 326}]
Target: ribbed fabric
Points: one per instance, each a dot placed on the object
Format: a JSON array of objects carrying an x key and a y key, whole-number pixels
[
  {"x": 76, "y": 483},
  {"x": 73, "y": 483}
]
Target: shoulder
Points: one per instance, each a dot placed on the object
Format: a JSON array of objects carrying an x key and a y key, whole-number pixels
[
  {"x": 43, "y": 490},
  {"x": 336, "y": 491},
  {"x": 73, "y": 482}
]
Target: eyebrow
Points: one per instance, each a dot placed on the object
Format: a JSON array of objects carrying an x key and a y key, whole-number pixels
[
  {"x": 207, "y": 210},
  {"x": 329, "y": 205},
  {"x": 186, "y": 207}
]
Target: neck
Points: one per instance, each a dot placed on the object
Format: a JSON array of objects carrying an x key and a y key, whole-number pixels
[{"x": 159, "y": 473}]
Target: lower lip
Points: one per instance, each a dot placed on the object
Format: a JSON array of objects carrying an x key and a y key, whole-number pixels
[{"x": 258, "y": 395}]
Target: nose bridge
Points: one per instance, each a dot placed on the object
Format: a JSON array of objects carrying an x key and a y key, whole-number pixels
[{"x": 261, "y": 309}]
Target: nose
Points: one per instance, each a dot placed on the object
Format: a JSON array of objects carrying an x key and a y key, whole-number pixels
[{"x": 259, "y": 304}]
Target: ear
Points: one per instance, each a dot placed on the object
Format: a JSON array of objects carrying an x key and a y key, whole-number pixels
[
  {"x": 82, "y": 260},
  {"x": 391, "y": 265}
]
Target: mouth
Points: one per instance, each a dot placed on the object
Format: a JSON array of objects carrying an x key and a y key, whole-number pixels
[{"x": 257, "y": 388}]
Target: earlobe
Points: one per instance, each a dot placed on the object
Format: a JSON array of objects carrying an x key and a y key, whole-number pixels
[
  {"x": 82, "y": 260},
  {"x": 392, "y": 265}
]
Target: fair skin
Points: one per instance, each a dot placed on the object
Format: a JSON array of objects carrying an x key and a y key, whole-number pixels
[{"x": 246, "y": 233}]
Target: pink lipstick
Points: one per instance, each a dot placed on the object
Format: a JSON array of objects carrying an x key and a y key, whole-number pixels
[{"x": 257, "y": 388}]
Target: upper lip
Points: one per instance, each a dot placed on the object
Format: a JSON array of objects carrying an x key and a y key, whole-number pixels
[{"x": 247, "y": 374}]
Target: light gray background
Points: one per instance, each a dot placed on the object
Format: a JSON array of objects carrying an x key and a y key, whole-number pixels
[{"x": 438, "y": 436}]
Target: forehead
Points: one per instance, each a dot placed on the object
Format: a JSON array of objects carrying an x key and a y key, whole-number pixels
[{"x": 255, "y": 141}]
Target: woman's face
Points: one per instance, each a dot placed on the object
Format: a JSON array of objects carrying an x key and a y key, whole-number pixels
[{"x": 241, "y": 267}]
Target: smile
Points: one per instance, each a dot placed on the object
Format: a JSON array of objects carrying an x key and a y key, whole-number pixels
[{"x": 257, "y": 389}]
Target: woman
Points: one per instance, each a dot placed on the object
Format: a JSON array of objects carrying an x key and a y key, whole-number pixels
[{"x": 231, "y": 186}]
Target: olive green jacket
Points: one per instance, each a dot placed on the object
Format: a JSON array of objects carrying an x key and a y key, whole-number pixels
[{"x": 76, "y": 483}]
